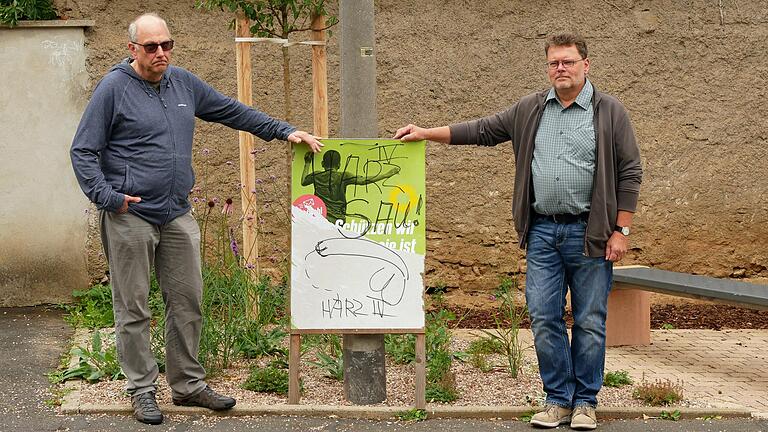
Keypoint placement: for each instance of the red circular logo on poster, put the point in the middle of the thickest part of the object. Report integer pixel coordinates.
(311, 204)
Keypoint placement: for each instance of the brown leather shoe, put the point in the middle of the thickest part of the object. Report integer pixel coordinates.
(145, 408)
(207, 399)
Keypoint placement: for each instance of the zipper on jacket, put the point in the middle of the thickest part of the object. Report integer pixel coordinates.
(173, 148)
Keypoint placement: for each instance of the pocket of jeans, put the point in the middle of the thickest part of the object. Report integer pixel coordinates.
(583, 144)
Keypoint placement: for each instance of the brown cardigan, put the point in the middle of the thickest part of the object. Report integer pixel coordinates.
(618, 170)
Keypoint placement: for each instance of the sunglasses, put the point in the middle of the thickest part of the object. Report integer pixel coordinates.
(151, 48)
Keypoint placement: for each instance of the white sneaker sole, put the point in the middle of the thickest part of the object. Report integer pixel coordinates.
(583, 427)
(539, 423)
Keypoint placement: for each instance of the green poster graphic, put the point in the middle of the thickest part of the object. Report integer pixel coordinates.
(358, 235)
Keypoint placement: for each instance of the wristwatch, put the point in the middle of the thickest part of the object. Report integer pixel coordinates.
(621, 229)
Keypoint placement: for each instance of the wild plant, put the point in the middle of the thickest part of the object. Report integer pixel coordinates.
(617, 378)
(659, 392)
(92, 308)
(94, 363)
(508, 336)
(330, 358)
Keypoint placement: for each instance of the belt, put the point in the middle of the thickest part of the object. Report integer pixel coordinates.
(564, 218)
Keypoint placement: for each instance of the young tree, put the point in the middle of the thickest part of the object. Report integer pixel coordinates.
(277, 19)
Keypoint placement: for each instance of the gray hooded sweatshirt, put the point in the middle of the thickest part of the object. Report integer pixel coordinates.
(134, 140)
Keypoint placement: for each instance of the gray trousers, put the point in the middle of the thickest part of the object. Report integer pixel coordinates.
(133, 246)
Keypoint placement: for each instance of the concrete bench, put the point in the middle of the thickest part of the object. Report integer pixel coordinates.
(629, 306)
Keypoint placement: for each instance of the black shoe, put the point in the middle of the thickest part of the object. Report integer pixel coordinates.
(207, 399)
(145, 408)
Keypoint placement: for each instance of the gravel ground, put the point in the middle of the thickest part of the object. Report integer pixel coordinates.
(475, 387)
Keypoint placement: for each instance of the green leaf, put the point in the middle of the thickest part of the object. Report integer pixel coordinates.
(96, 341)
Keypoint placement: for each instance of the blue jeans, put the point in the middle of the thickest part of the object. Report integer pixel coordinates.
(572, 372)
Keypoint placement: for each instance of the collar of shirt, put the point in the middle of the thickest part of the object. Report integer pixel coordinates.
(583, 99)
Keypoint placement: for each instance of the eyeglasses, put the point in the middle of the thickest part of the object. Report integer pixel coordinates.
(151, 48)
(554, 64)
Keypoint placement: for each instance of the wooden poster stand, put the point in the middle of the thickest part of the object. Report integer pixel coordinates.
(248, 181)
(294, 357)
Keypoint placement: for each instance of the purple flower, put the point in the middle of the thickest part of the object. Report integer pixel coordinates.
(206, 151)
(250, 266)
(233, 243)
(228, 208)
(259, 181)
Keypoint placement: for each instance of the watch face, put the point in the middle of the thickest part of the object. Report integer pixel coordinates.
(625, 231)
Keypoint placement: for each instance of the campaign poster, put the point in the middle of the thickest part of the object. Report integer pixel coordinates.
(358, 235)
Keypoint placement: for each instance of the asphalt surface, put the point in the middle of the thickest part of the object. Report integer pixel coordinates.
(33, 340)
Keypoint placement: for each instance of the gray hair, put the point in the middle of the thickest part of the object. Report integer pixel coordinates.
(133, 27)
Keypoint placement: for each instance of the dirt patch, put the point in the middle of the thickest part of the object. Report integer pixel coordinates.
(479, 309)
(678, 316)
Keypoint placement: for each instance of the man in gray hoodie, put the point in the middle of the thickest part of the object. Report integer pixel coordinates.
(577, 180)
(132, 155)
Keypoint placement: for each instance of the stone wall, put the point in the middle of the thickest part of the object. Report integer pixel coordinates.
(691, 74)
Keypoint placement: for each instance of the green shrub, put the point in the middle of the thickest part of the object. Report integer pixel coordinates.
(13, 11)
(401, 347)
(486, 345)
(443, 391)
(267, 380)
(438, 364)
(617, 379)
(331, 359)
(257, 342)
(228, 328)
(93, 364)
(92, 308)
(480, 361)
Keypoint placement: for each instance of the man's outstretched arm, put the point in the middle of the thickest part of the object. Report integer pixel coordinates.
(415, 133)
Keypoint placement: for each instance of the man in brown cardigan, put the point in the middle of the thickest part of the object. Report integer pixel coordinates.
(577, 181)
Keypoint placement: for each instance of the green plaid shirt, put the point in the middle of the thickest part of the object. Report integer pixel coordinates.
(563, 164)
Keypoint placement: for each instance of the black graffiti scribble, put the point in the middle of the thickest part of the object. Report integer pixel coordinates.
(386, 279)
(331, 182)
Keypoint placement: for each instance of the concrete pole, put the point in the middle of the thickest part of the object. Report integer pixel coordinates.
(364, 370)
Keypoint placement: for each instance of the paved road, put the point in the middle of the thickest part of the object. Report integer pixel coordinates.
(33, 339)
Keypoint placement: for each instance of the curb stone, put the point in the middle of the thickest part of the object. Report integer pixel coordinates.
(72, 405)
(71, 401)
